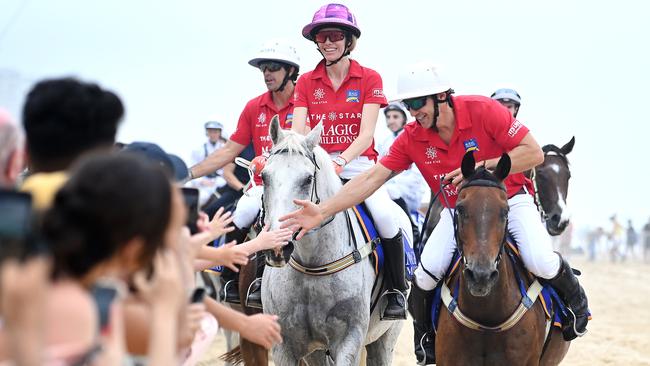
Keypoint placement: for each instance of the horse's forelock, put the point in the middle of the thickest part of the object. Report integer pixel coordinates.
(292, 143)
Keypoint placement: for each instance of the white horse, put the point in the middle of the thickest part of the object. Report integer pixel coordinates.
(325, 317)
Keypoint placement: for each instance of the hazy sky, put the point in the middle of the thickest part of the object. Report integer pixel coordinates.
(580, 66)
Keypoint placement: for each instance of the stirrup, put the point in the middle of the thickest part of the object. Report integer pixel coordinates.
(224, 290)
(424, 360)
(574, 321)
(388, 292)
(248, 294)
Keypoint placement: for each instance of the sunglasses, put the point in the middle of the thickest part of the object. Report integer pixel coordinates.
(415, 103)
(333, 35)
(270, 66)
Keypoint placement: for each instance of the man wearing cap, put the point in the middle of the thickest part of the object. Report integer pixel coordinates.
(279, 63)
(447, 127)
(209, 184)
(508, 98)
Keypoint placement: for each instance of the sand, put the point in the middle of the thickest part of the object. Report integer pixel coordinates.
(619, 334)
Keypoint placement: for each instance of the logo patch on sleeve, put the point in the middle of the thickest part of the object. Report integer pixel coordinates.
(376, 92)
(514, 128)
(288, 121)
(471, 145)
(353, 96)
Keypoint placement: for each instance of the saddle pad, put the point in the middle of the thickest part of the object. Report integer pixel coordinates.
(370, 233)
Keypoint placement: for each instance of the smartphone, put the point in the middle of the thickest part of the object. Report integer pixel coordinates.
(198, 295)
(191, 196)
(16, 225)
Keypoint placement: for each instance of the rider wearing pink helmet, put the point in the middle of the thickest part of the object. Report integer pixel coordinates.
(346, 97)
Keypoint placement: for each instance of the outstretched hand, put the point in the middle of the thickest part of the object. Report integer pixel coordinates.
(262, 329)
(306, 218)
(273, 239)
(231, 255)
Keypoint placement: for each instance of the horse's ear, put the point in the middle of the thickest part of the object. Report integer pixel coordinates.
(468, 166)
(566, 149)
(313, 137)
(503, 167)
(275, 131)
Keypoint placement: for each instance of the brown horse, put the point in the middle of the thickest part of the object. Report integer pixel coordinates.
(488, 326)
(247, 352)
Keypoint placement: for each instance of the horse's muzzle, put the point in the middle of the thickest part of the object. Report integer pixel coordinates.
(279, 259)
(480, 280)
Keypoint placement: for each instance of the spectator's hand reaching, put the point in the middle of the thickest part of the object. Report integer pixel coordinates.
(262, 329)
(231, 255)
(273, 239)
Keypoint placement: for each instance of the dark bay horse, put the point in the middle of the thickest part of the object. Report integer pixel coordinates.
(492, 323)
(551, 181)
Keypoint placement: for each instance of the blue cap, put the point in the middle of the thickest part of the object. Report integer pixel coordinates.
(170, 163)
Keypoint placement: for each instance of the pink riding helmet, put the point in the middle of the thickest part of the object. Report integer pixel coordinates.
(334, 15)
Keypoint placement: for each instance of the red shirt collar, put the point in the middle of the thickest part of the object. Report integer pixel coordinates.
(267, 99)
(356, 71)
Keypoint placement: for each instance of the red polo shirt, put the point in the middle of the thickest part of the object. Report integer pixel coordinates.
(253, 124)
(340, 111)
(482, 125)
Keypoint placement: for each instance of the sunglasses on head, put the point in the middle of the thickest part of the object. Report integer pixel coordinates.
(415, 103)
(334, 36)
(270, 65)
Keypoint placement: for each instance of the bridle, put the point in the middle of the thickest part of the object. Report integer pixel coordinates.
(533, 177)
(459, 246)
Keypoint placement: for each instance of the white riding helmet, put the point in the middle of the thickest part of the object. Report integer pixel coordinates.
(507, 95)
(419, 80)
(276, 50)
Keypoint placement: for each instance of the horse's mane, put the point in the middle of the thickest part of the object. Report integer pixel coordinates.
(295, 143)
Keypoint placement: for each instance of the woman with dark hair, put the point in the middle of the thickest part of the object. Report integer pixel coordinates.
(100, 235)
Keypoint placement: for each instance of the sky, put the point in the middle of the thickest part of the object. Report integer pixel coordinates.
(580, 67)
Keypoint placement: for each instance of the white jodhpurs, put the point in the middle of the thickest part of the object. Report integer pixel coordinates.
(248, 207)
(384, 213)
(524, 225)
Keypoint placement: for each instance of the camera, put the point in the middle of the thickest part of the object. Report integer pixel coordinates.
(191, 196)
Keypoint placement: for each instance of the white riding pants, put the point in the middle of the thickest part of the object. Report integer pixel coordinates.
(381, 207)
(248, 207)
(524, 225)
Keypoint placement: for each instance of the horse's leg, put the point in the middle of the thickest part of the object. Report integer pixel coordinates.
(317, 358)
(556, 349)
(380, 352)
(348, 351)
(252, 353)
(282, 356)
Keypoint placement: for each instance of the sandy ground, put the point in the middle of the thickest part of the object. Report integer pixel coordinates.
(619, 334)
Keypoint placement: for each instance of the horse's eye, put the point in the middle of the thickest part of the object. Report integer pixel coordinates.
(306, 182)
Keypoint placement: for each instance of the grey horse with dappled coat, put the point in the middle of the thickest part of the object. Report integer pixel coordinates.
(325, 320)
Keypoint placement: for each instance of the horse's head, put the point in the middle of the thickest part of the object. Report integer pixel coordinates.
(480, 219)
(552, 178)
(297, 168)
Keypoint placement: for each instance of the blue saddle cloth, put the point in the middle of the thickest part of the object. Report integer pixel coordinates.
(553, 304)
(370, 233)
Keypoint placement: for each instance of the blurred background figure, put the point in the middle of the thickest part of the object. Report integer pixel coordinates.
(209, 184)
(615, 237)
(407, 188)
(12, 152)
(631, 239)
(593, 238)
(646, 241)
(508, 98)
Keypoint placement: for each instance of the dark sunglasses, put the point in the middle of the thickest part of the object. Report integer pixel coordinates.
(270, 65)
(333, 35)
(415, 103)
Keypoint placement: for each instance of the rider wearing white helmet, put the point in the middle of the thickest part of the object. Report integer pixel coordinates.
(508, 98)
(279, 63)
(446, 128)
(346, 97)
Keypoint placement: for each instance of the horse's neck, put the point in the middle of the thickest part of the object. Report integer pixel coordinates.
(325, 245)
(499, 304)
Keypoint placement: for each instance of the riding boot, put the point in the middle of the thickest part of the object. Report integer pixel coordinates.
(395, 278)
(254, 297)
(230, 279)
(420, 302)
(567, 286)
